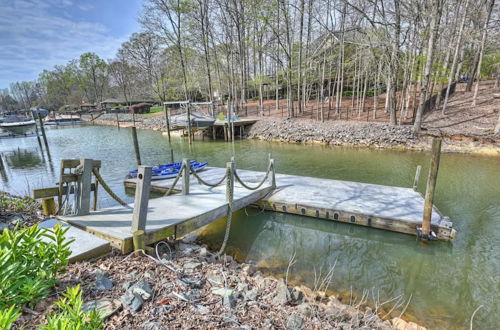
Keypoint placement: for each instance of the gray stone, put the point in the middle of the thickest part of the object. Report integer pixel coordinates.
(190, 238)
(192, 295)
(215, 279)
(152, 326)
(305, 309)
(186, 249)
(222, 291)
(251, 295)
(191, 266)
(142, 288)
(132, 301)
(3, 226)
(282, 295)
(203, 252)
(194, 283)
(105, 307)
(160, 309)
(228, 301)
(102, 281)
(202, 309)
(297, 296)
(295, 322)
(126, 285)
(16, 220)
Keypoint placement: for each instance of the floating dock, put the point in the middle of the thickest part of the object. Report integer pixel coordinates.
(391, 208)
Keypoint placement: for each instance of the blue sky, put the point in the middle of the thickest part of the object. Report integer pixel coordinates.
(38, 34)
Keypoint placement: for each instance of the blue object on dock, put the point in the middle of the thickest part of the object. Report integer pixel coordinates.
(168, 171)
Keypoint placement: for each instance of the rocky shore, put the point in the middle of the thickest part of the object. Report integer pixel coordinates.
(189, 288)
(338, 133)
(365, 134)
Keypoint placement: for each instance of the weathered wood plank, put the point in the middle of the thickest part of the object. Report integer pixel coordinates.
(54, 191)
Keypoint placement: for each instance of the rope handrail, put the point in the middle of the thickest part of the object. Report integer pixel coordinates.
(201, 181)
(181, 170)
(237, 177)
(107, 188)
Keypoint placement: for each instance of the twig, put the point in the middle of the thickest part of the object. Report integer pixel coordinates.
(473, 314)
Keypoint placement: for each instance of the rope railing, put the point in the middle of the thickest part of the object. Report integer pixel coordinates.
(172, 187)
(107, 188)
(237, 177)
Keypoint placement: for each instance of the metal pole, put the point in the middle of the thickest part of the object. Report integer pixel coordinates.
(143, 185)
(431, 185)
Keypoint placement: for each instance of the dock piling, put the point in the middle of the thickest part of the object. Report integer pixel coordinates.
(136, 146)
(141, 198)
(417, 177)
(431, 185)
(42, 128)
(138, 241)
(185, 176)
(167, 121)
(85, 183)
(49, 206)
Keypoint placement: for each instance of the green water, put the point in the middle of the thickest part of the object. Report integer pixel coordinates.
(446, 281)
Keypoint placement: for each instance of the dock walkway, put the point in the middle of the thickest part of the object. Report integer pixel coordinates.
(176, 214)
(391, 208)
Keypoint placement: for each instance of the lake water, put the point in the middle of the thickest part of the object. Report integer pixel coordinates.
(445, 281)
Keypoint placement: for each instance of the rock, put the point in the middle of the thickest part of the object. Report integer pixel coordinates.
(102, 281)
(282, 295)
(132, 301)
(152, 326)
(305, 309)
(126, 285)
(228, 300)
(105, 307)
(194, 283)
(295, 322)
(202, 309)
(191, 266)
(192, 295)
(190, 238)
(203, 252)
(215, 279)
(142, 288)
(186, 249)
(3, 226)
(250, 295)
(16, 220)
(160, 309)
(297, 297)
(401, 324)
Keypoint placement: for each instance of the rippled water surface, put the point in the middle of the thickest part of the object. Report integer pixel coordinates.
(446, 281)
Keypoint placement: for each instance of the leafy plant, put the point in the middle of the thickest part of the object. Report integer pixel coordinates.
(70, 314)
(8, 316)
(30, 259)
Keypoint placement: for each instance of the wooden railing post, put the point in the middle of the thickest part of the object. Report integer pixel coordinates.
(185, 176)
(85, 183)
(431, 185)
(143, 185)
(417, 177)
(273, 173)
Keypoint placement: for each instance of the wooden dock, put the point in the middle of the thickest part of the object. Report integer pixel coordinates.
(176, 214)
(391, 208)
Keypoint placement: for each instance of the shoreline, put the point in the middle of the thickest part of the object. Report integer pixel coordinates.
(340, 133)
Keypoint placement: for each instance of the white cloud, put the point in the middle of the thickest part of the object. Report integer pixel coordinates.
(33, 38)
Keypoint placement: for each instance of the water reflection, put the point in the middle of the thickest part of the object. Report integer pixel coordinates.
(23, 158)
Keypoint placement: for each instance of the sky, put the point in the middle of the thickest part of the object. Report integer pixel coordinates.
(38, 34)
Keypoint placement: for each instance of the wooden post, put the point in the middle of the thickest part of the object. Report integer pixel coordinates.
(43, 130)
(273, 174)
(171, 155)
(225, 132)
(190, 136)
(167, 121)
(117, 120)
(138, 240)
(136, 146)
(417, 177)
(241, 132)
(49, 206)
(214, 135)
(431, 185)
(142, 188)
(185, 176)
(96, 196)
(85, 182)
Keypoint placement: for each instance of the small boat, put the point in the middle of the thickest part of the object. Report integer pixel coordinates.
(197, 120)
(17, 125)
(169, 171)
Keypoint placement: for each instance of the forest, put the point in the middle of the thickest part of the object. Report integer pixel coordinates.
(289, 51)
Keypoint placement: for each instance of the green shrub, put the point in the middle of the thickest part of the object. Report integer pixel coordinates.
(8, 316)
(70, 314)
(29, 264)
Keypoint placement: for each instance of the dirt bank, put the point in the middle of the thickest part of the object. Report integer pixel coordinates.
(365, 134)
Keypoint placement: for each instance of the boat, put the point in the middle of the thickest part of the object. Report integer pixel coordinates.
(17, 125)
(169, 171)
(197, 120)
